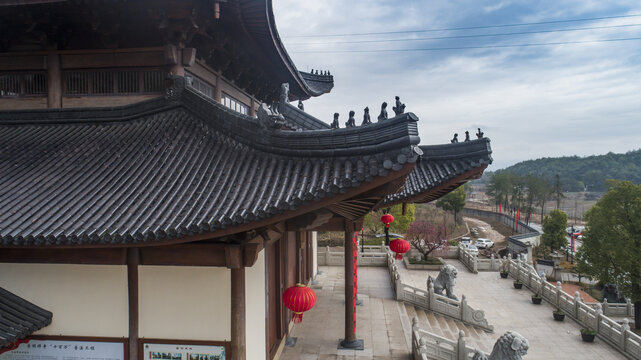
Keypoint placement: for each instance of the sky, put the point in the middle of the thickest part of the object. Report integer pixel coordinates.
(531, 101)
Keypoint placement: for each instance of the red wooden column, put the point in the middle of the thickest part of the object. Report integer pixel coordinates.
(350, 341)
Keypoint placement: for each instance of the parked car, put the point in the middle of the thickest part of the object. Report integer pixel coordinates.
(471, 248)
(466, 240)
(483, 243)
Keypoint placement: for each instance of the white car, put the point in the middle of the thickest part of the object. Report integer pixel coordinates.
(483, 243)
(471, 248)
(466, 240)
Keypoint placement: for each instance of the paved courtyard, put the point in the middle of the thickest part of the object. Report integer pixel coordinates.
(384, 326)
(509, 309)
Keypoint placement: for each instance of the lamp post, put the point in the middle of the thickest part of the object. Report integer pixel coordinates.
(387, 219)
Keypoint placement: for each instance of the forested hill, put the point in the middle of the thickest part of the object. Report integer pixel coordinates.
(591, 171)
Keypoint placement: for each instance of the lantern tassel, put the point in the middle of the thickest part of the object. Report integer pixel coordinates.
(297, 317)
(398, 256)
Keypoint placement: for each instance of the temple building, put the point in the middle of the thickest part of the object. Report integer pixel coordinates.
(158, 191)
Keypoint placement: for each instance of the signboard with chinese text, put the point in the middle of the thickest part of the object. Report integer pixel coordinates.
(183, 352)
(66, 350)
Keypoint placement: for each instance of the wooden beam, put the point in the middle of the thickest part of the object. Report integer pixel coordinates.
(233, 256)
(133, 260)
(185, 255)
(105, 256)
(238, 315)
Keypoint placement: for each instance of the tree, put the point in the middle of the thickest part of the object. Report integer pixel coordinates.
(554, 226)
(557, 191)
(373, 225)
(611, 249)
(454, 201)
(498, 188)
(538, 191)
(427, 236)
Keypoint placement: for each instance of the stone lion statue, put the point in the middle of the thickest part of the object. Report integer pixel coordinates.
(510, 346)
(445, 280)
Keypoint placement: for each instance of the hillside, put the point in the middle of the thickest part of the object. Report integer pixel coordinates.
(591, 171)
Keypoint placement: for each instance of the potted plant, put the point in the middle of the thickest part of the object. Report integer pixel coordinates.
(518, 284)
(504, 274)
(588, 334)
(536, 299)
(558, 315)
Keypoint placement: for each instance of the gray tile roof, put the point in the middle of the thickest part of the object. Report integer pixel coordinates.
(318, 84)
(443, 168)
(173, 167)
(19, 318)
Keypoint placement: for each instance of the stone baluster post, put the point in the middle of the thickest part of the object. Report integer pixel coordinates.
(625, 328)
(630, 307)
(461, 350)
(558, 294)
(463, 309)
(518, 268)
(577, 304)
(327, 257)
(492, 262)
(529, 278)
(475, 264)
(422, 346)
(430, 294)
(598, 313)
(605, 305)
(398, 284)
(383, 246)
(544, 281)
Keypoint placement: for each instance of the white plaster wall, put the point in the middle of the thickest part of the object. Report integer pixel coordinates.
(86, 300)
(255, 307)
(185, 302)
(314, 254)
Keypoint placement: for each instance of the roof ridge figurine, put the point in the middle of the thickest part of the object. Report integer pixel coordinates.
(399, 108)
(467, 136)
(366, 118)
(351, 122)
(479, 134)
(335, 124)
(383, 115)
(454, 139)
(300, 105)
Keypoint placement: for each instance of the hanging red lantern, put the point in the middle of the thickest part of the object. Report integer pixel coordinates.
(387, 219)
(400, 247)
(299, 299)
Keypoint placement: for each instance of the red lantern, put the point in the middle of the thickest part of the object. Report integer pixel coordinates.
(299, 299)
(387, 219)
(400, 247)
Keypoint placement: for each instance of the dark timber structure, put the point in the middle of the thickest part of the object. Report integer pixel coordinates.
(132, 137)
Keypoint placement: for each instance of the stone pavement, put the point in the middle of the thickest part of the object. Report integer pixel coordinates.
(379, 320)
(509, 309)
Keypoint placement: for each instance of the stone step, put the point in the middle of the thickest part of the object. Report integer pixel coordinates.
(450, 328)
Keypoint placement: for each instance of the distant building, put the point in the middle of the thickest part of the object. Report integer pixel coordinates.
(150, 207)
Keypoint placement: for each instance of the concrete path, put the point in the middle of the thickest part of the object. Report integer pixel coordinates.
(509, 309)
(379, 320)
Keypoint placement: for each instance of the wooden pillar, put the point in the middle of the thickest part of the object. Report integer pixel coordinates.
(133, 260)
(350, 341)
(252, 108)
(238, 324)
(54, 81)
(218, 93)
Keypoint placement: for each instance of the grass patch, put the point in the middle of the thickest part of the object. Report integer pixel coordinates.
(429, 261)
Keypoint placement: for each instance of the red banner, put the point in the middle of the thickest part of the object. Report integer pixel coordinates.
(572, 243)
(355, 255)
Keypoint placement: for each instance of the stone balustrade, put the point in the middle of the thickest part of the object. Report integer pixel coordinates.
(428, 300)
(426, 345)
(617, 335)
(373, 255)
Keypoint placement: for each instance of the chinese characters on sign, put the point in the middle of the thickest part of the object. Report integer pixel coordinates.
(66, 350)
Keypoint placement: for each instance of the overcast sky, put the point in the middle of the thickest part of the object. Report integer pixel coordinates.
(532, 101)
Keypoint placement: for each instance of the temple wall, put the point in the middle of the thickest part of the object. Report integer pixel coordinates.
(185, 302)
(86, 300)
(255, 307)
(102, 101)
(23, 103)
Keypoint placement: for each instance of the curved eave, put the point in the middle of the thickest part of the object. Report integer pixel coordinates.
(20, 318)
(255, 24)
(441, 169)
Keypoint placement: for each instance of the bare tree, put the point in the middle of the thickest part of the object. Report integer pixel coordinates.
(427, 237)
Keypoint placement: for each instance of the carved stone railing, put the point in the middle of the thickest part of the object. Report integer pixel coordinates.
(428, 300)
(474, 264)
(617, 309)
(373, 255)
(426, 345)
(617, 335)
